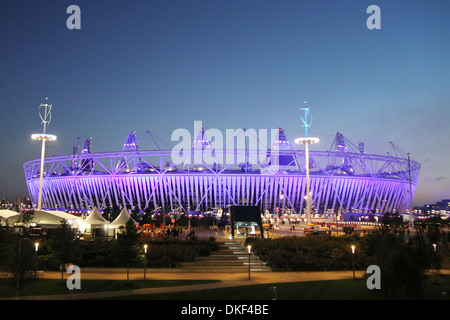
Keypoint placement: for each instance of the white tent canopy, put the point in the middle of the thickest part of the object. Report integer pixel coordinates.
(121, 219)
(59, 215)
(94, 219)
(47, 218)
(55, 217)
(5, 215)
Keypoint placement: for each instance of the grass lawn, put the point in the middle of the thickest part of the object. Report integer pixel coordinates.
(315, 290)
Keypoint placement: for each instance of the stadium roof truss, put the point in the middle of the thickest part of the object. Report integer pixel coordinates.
(342, 179)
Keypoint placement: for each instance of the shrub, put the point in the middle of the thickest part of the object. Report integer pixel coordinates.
(169, 252)
(96, 253)
(307, 253)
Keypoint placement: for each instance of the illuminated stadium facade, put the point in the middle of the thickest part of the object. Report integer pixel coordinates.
(343, 179)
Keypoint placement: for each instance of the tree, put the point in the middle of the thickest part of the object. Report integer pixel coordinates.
(25, 219)
(402, 264)
(17, 254)
(126, 248)
(23, 248)
(6, 236)
(64, 245)
(18, 250)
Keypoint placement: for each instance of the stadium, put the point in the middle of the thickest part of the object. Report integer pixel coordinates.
(343, 179)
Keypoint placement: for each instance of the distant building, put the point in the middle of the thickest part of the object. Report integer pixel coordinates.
(442, 207)
(22, 200)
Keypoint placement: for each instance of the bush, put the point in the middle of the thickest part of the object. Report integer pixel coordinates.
(170, 255)
(96, 253)
(169, 252)
(402, 264)
(166, 252)
(308, 253)
(48, 262)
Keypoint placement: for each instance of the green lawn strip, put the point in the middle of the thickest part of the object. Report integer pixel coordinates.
(348, 289)
(313, 290)
(42, 287)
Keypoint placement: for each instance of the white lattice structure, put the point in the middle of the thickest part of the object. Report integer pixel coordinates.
(340, 180)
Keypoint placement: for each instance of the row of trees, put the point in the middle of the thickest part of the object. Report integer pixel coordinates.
(403, 260)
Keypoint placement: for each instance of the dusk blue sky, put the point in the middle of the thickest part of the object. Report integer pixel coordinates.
(161, 65)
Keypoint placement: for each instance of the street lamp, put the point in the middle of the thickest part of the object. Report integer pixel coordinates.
(36, 248)
(282, 200)
(353, 260)
(306, 141)
(249, 248)
(145, 265)
(274, 292)
(46, 118)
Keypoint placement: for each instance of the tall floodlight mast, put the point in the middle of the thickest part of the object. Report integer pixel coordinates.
(304, 120)
(411, 213)
(46, 116)
(306, 141)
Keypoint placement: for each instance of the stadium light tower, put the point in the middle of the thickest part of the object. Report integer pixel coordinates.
(306, 141)
(46, 116)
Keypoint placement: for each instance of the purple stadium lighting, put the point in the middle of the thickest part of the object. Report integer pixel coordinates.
(343, 179)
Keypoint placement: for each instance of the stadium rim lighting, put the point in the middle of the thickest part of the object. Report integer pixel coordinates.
(343, 179)
(306, 140)
(42, 136)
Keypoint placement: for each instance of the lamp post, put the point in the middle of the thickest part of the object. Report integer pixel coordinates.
(353, 261)
(336, 216)
(282, 200)
(36, 248)
(274, 292)
(411, 213)
(145, 265)
(249, 248)
(306, 141)
(46, 118)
